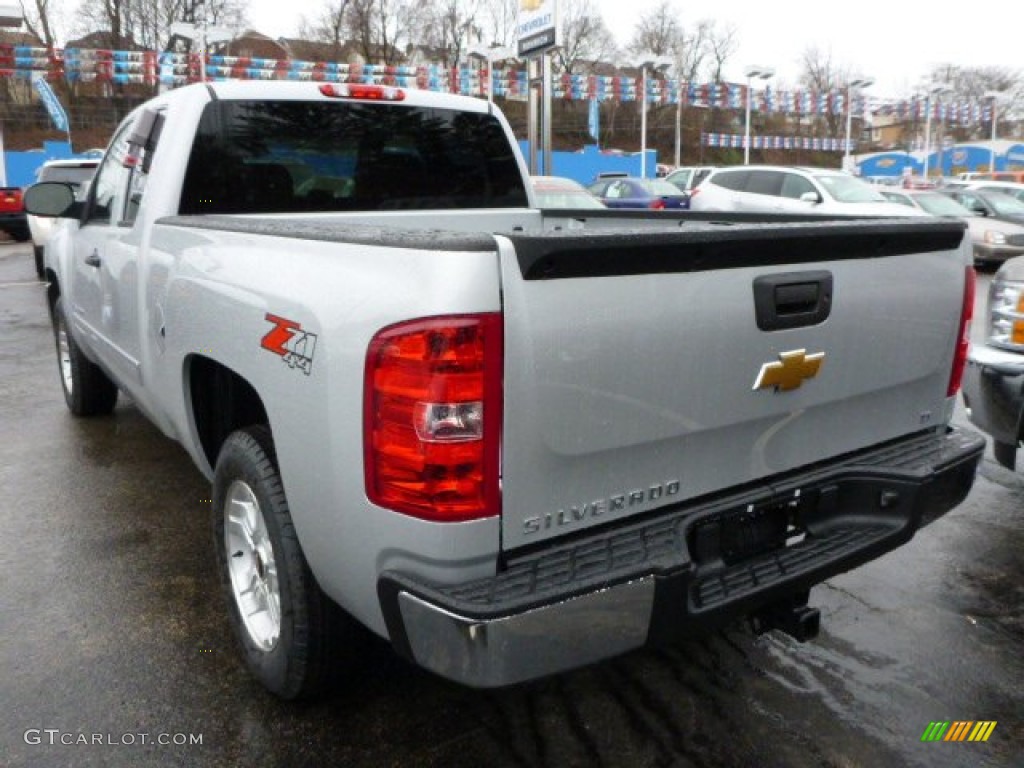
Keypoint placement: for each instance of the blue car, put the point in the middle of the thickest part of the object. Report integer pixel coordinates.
(634, 192)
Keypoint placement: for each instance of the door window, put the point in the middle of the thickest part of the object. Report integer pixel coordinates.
(731, 180)
(108, 189)
(794, 186)
(764, 183)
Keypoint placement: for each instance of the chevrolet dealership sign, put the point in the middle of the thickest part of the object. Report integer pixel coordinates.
(536, 26)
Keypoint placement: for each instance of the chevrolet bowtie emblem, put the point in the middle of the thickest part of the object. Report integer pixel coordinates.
(791, 370)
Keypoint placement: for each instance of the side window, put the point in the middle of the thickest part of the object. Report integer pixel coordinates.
(614, 190)
(764, 183)
(900, 199)
(794, 186)
(111, 182)
(699, 176)
(736, 180)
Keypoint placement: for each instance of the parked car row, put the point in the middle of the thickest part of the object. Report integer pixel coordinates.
(993, 240)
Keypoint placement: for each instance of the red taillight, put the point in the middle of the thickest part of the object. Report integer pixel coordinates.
(963, 339)
(432, 417)
(657, 205)
(362, 91)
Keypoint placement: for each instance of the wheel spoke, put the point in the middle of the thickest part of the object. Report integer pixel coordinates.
(251, 565)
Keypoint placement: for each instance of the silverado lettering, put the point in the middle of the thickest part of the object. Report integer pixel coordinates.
(597, 508)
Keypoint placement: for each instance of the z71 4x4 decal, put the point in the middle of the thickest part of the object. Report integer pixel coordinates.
(294, 345)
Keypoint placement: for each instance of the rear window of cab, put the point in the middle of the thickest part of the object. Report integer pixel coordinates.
(298, 156)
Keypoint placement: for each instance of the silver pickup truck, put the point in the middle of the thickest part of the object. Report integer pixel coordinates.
(510, 441)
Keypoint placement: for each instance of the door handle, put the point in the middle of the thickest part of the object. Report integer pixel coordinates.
(93, 259)
(792, 299)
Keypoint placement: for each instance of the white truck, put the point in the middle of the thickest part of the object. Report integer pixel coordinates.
(511, 441)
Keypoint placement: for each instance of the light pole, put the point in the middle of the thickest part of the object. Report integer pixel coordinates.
(861, 82)
(996, 97)
(679, 116)
(751, 72)
(492, 54)
(657, 63)
(935, 91)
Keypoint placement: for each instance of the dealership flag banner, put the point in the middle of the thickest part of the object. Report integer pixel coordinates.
(52, 104)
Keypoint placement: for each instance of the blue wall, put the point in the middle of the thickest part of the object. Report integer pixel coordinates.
(22, 166)
(957, 159)
(584, 165)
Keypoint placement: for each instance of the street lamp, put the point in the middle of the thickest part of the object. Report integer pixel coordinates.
(935, 91)
(658, 64)
(493, 53)
(763, 73)
(861, 82)
(996, 97)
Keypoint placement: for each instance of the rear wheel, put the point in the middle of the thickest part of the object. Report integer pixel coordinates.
(87, 389)
(287, 627)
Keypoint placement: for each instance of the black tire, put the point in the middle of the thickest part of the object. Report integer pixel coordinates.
(37, 253)
(87, 389)
(1005, 453)
(301, 660)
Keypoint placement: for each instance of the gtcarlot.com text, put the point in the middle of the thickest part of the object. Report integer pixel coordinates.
(55, 737)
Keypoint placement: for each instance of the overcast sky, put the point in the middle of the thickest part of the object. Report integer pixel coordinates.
(896, 42)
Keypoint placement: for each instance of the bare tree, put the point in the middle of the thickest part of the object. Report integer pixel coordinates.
(974, 85)
(821, 75)
(380, 27)
(694, 52)
(721, 45)
(146, 23)
(450, 27)
(498, 21)
(40, 17)
(329, 26)
(584, 37)
(107, 16)
(658, 32)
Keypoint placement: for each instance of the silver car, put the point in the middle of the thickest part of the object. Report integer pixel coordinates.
(791, 190)
(993, 241)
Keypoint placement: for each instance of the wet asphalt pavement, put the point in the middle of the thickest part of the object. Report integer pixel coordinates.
(115, 650)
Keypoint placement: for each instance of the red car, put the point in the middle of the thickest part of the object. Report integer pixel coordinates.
(12, 214)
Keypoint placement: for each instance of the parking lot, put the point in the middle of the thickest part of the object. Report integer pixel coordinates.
(115, 649)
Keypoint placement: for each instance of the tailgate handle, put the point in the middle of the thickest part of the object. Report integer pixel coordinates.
(792, 299)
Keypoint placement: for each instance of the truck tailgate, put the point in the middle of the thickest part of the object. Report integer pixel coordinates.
(647, 369)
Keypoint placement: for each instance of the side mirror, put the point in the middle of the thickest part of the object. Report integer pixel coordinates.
(53, 199)
(980, 210)
(811, 197)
